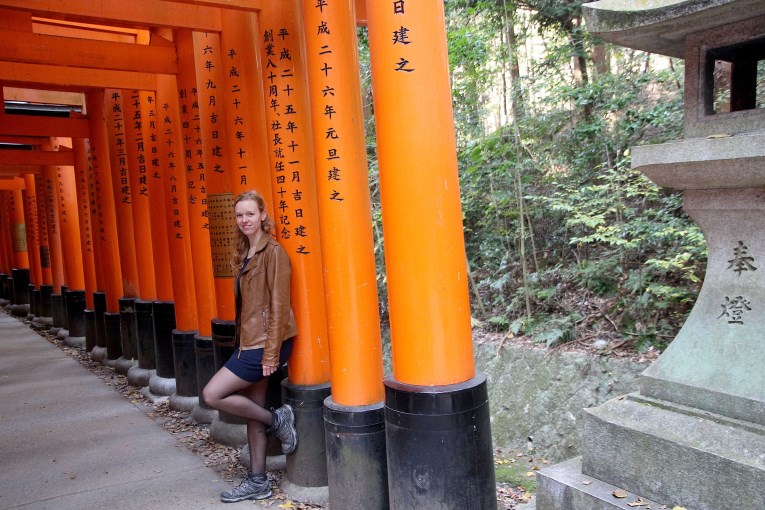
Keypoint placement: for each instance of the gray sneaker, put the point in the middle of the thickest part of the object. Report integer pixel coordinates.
(250, 488)
(285, 428)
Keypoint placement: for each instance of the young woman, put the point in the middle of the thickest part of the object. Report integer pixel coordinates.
(265, 327)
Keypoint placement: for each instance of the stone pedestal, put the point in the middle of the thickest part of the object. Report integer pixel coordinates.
(694, 435)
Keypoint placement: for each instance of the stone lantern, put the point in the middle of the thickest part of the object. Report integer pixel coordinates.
(694, 433)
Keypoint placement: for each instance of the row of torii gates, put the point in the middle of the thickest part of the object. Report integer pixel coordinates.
(128, 128)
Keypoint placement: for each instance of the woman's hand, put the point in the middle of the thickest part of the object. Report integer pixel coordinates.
(269, 369)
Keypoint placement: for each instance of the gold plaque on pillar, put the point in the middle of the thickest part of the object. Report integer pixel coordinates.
(220, 211)
(19, 237)
(44, 256)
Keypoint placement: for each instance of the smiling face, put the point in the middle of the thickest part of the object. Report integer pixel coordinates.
(249, 217)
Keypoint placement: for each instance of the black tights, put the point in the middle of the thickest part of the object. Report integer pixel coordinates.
(228, 393)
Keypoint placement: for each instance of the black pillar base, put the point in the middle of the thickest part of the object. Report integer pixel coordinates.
(31, 299)
(37, 302)
(439, 446)
(128, 328)
(4, 286)
(57, 310)
(185, 363)
(164, 324)
(357, 470)
(112, 336)
(205, 361)
(224, 338)
(20, 285)
(99, 308)
(307, 466)
(75, 310)
(145, 334)
(89, 316)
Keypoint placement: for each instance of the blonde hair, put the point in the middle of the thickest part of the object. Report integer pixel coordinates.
(241, 243)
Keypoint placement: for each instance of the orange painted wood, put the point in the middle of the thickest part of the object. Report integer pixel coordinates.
(93, 208)
(342, 186)
(151, 13)
(42, 232)
(6, 258)
(361, 13)
(151, 122)
(83, 169)
(108, 245)
(72, 52)
(18, 230)
(15, 20)
(83, 30)
(123, 192)
(234, 5)
(245, 106)
(44, 96)
(69, 225)
(177, 217)
(30, 125)
(30, 218)
(293, 182)
(19, 72)
(422, 220)
(36, 158)
(50, 219)
(11, 183)
(138, 169)
(201, 155)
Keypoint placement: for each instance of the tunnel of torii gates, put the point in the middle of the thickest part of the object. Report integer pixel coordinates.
(127, 130)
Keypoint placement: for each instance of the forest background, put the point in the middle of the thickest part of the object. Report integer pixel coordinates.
(565, 241)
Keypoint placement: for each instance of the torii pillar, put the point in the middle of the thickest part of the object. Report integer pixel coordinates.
(294, 198)
(693, 436)
(436, 406)
(354, 421)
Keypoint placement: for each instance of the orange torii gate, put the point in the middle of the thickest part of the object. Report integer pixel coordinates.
(265, 94)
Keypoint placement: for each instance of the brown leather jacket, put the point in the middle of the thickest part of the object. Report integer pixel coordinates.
(264, 318)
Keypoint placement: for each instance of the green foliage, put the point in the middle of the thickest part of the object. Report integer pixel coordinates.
(564, 239)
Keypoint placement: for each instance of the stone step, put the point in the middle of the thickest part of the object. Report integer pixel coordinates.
(564, 487)
(675, 454)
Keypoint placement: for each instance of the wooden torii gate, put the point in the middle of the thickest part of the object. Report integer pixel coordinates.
(172, 108)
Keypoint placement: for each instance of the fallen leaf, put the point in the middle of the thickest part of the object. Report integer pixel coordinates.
(637, 502)
(287, 504)
(678, 508)
(531, 474)
(620, 493)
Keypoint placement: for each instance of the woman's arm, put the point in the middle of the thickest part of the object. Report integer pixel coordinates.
(278, 281)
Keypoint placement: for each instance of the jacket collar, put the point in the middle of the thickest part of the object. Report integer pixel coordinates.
(262, 242)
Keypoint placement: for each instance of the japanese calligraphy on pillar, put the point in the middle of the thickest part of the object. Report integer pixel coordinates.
(287, 137)
(118, 125)
(329, 158)
(193, 153)
(50, 206)
(31, 209)
(85, 192)
(42, 231)
(238, 122)
(64, 213)
(211, 112)
(152, 179)
(139, 145)
(402, 36)
(174, 194)
(735, 307)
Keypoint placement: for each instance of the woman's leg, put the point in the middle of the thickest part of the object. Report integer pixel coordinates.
(257, 439)
(228, 393)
